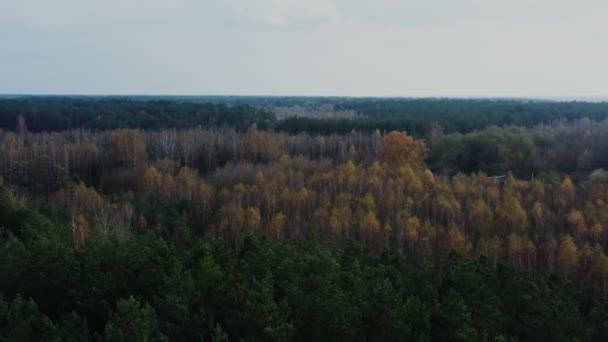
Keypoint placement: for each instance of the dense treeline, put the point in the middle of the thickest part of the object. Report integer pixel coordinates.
(144, 287)
(50, 114)
(454, 115)
(574, 148)
(310, 115)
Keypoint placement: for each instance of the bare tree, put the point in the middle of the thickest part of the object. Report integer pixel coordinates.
(167, 141)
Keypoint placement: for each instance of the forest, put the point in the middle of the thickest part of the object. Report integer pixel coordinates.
(282, 219)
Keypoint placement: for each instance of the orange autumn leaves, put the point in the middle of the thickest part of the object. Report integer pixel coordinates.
(385, 197)
(401, 149)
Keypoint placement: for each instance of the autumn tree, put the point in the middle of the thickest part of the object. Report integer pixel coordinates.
(577, 221)
(537, 214)
(401, 149)
(566, 193)
(253, 218)
(456, 239)
(262, 145)
(482, 216)
(513, 216)
(370, 225)
(129, 147)
(80, 230)
(568, 255)
(276, 225)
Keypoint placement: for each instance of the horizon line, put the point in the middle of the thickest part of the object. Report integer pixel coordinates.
(519, 97)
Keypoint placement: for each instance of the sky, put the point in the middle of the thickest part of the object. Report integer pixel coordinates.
(412, 48)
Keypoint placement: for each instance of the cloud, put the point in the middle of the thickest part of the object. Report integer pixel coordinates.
(330, 47)
(282, 13)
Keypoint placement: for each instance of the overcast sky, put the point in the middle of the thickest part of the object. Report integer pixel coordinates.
(305, 47)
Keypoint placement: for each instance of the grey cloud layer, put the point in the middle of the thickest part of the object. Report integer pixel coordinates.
(313, 47)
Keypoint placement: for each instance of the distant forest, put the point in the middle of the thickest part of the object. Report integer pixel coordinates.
(319, 116)
(297, 219)
(52, 114)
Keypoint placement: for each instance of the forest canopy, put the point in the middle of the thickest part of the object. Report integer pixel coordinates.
(138, 219)
(56, 113)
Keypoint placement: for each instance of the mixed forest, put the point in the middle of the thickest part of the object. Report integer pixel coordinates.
(280, 219)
